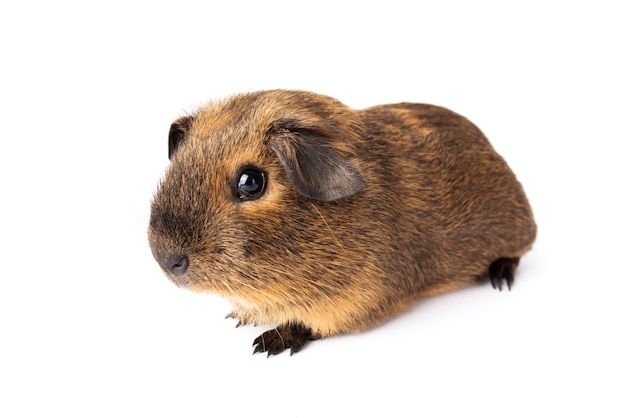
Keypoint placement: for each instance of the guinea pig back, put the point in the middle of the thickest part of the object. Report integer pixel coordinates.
(321, 219)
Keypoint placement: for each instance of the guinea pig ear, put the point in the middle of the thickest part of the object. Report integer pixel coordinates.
(315, 170)
(178, 130)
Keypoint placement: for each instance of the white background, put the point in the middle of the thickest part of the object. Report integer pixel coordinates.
(89, 326)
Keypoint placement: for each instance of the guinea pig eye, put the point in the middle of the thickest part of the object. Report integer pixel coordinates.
(251, 183)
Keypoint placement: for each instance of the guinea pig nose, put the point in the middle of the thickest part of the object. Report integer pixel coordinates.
(177, 264)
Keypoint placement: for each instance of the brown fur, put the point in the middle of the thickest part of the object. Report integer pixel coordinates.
(364, 210)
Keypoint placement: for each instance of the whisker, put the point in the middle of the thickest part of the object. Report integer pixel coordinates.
(327, 226)
(267, 295)
(324, 288)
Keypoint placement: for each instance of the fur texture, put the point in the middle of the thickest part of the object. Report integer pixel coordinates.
(362, 212)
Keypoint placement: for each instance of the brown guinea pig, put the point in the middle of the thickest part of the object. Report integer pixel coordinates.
(321, 219)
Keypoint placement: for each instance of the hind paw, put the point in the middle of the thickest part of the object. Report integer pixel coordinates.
(503, 269)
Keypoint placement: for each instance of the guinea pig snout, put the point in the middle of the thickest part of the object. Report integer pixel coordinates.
(177, 264)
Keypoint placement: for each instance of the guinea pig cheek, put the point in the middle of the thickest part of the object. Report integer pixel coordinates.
(242, 227)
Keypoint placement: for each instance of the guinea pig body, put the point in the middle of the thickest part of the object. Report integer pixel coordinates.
(322, 220)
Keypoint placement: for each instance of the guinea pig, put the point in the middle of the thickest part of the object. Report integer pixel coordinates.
(319, 219)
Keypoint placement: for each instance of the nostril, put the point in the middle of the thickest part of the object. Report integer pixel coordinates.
(177, 264)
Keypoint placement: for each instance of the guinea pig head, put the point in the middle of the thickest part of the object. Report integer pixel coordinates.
(236, 211)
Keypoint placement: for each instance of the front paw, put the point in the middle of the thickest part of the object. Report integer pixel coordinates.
(236, 317)
(242, 319)
(294, 336)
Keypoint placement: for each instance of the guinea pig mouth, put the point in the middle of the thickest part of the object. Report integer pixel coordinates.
(183, 282)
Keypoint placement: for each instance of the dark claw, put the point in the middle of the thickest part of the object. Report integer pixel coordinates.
(509, 281)
(495, 283)
(503, 269)
(293, 336)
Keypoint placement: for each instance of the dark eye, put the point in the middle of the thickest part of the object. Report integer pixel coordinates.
(251, 183)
